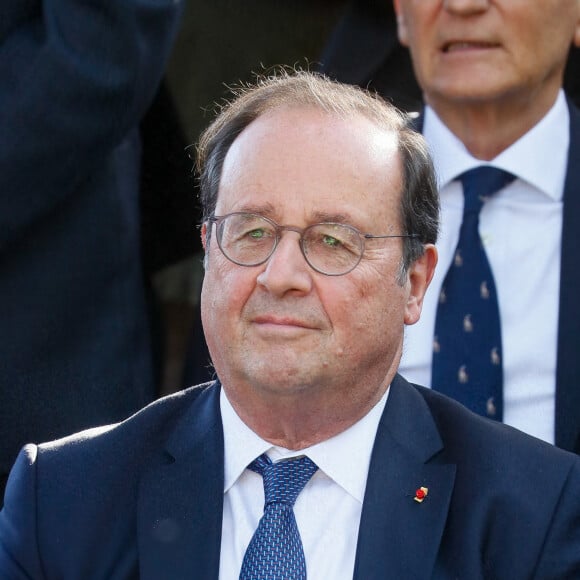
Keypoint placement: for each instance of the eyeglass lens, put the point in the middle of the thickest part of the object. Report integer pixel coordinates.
(249, 240)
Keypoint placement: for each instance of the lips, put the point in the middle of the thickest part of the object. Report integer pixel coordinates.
(281, 321)
(465, 45)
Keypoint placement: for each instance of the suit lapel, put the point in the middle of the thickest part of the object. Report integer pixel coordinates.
(181, 498)
(568, 371)
(399, 537)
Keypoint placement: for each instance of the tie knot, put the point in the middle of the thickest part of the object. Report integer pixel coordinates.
(284, 480)
(481, 183)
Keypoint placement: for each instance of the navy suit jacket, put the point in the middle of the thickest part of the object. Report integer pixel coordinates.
(143, 499)
(74, 328)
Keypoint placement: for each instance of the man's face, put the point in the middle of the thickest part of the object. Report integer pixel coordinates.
(486, 50)
(281, 327)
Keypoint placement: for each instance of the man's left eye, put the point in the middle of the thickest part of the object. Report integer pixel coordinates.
(330, 241)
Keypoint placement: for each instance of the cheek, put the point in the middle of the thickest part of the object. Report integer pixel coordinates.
(372, 298)
(226, 288)
(382, 302)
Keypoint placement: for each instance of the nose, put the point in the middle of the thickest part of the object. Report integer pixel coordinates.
(286, 270)
(466, 7)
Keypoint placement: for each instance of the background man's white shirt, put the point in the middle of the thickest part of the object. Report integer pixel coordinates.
(521, 230)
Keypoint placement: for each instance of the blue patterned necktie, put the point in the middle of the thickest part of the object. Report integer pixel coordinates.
(275, 551)
(467, 350)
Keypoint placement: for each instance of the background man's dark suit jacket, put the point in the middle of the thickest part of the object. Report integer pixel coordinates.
(77, 78)
(144, 498)
(568, 362)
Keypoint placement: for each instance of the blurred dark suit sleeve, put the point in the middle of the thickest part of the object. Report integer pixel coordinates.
(77, 78)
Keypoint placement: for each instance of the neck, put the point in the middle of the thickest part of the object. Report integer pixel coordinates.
(489, 128)
(299, 420)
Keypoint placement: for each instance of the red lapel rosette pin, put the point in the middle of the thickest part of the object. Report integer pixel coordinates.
(421, 494)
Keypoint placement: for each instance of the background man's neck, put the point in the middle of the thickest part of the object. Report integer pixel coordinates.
(488, 128)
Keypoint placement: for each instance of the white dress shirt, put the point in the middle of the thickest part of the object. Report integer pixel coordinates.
(328, 509)
(521, 229)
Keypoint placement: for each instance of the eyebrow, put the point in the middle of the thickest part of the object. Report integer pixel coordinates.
(339, 218)
(269, 210)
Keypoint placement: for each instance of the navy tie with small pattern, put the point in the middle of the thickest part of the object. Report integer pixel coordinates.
(275, 551)
(467, 349)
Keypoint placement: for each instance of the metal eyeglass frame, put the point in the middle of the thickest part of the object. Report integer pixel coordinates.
(278, 229)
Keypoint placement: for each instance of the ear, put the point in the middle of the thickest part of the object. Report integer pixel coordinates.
(402, 31)
(204, 235)
(419, 275)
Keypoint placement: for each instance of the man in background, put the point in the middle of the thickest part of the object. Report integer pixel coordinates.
(491, 75)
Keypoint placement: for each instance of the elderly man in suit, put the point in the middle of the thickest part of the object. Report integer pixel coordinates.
(491, 74)
(309, 456)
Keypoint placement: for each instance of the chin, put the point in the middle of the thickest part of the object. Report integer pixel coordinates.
(481, 88)
(284, 378)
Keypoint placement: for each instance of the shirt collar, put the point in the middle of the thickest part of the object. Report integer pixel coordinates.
(532, 158)
(242, 446)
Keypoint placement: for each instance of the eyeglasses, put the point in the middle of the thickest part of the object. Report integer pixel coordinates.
(249, 239)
